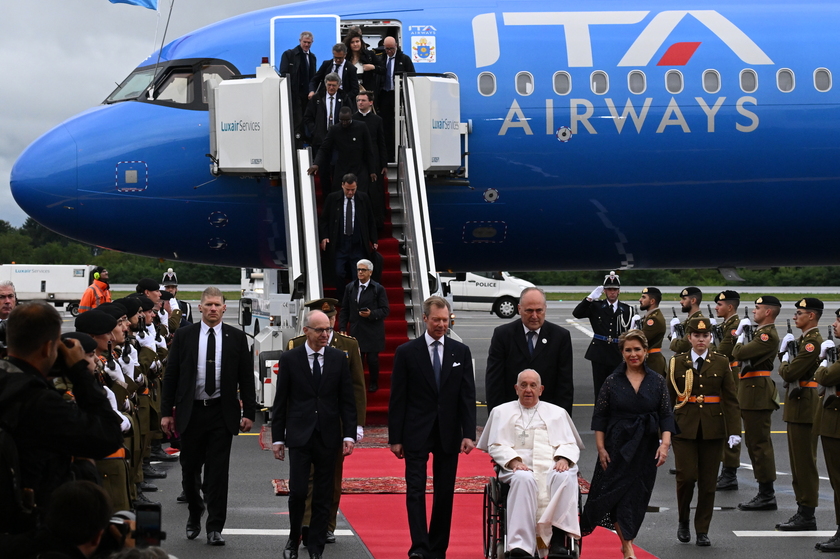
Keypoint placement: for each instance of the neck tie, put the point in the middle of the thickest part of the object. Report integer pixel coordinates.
(348, 217)
(698, 364)
(331, 110)
(389, 85)
(210, 364)
(436, 361)
(306, 58)
(361, 290)
(316, 369)
(531, 335)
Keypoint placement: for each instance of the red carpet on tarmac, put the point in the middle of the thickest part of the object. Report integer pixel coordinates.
(380, 519)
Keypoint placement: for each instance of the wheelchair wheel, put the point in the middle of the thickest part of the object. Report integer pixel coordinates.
(494, 519)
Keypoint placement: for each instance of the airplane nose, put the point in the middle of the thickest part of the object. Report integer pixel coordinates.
(44, 179)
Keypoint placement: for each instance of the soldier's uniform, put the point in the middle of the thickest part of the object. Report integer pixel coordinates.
(653, 327)
(681, 345)
(801, 405)
(728, 480)
(350, 347)
(828, 376)
(758, 398)
(706, 413)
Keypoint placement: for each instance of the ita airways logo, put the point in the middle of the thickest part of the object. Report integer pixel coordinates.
(423, 49)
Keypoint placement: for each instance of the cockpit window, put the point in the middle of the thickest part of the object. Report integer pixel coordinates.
(211, 76)
(133, 86)
(177, 87)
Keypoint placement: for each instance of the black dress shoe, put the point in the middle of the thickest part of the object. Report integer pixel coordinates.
(162, 456)
(831, 546)
(182, 498)
(703, 540)
(330, 536)
(672, 471)
(415, 556)
(291, 550)
(518, 552)
(315, 555)
(147, 486)
(728, 479)
(193, 527)
(683, 533)
(141, 498)
(215, 538)
(373, 387)
(150, 472)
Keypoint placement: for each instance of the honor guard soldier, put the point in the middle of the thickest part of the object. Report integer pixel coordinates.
(828, 377)
(170, 284)
(350, 347)
(609, 319)
(726, 308)
(690, 299)
(652, 324)
(173, 316)
(755, 350)
(800, 359)
(706, 412)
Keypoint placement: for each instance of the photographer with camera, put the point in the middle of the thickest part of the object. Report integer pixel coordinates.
(47, 430)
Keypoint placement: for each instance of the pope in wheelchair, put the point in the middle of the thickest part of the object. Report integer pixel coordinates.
(536, 448)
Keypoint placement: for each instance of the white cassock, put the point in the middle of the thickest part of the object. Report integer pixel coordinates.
(543, 497)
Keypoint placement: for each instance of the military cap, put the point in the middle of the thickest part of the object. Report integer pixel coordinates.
(810, 304)
(95, 322)
(146, 304)
(653, 291)
(768, 300)
(114, 309)
(131, 304)
(166, 296)
(88, 343)
(326, 305)
(727, 295)
(698, 324)
(169, 278)
(837, 313)
(147, 284)
(611, 281)
(689, 291)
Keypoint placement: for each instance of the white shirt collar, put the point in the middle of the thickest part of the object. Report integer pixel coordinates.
(695, 356)
(430, 340)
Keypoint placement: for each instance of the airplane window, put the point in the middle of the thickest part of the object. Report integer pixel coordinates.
(599, 82)
(213, 74)
(749, 81)
(176, 88)
(133, 86)
(674, 81)
(562, 83)
(486, 83)
(524, 83)
(822, 79)
(711, 81)
(785, 80)
(636, 82)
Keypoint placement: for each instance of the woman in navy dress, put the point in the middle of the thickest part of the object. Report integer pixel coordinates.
(633, 423)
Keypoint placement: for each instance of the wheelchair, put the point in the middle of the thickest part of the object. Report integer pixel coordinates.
(495, 521)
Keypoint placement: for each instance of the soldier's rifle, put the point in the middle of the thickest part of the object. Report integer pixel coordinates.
(792, 347)
(679, 329)
(717, 330)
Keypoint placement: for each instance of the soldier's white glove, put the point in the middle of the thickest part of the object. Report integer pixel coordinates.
(742, 339)
(741, 325)
(734, 440)
(360, 433)
(825, 346)
(596, 293)
(635, 322)
(824, 363)
(161, 344)
(713, 320)
(164, 316)
(115, 372)
(786, 357)
(147, 341)
(125, 423)
(674, 323)
(785, 341)
(111, 398)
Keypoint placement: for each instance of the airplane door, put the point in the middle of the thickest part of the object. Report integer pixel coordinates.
(286, 30)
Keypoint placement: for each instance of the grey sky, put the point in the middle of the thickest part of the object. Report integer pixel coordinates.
(61, 57)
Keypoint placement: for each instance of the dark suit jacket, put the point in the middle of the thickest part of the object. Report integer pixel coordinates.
(315, 117)
(299, 407)
(237, 377)
(370, 331)
(604, 323)
(402, 64)
(355, 153)
(349, 81)
(331, 224)
(293, 64)
(509, 356)
(416, 403)
(377, 139)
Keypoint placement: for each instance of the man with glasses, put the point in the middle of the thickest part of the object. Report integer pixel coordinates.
(530, 343)
(395, 63)
(363, 312)
(348, 82)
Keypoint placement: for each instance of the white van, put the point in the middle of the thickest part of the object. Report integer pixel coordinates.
(496, 292)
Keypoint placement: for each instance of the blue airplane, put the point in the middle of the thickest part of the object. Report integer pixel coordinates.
(627, 135)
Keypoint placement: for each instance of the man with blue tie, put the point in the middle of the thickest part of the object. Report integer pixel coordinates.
(314, 408)
(299, 65)
(431, 411)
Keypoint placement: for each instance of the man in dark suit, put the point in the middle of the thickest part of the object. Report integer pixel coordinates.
(348, 80)
(363, 313)
(321, 115)
(530, 343)
(432, 410)
(609, 319)
(364, 104)
(395, 63)
(354, 152)
(210, 369)
(299, 65)
(313, 409)
(347, 230)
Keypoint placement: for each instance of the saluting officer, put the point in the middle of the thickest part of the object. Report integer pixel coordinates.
(690, 299)
(609, 319)
(726, 308)
(350, 347)
(801, 402)
(758, 397)
(828, 377)
(653, 326)
(706, 413)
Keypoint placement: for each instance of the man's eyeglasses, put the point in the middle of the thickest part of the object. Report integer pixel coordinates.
(362, 270)
(320, 331)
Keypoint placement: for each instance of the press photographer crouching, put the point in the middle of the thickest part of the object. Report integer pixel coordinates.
(45, 429)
